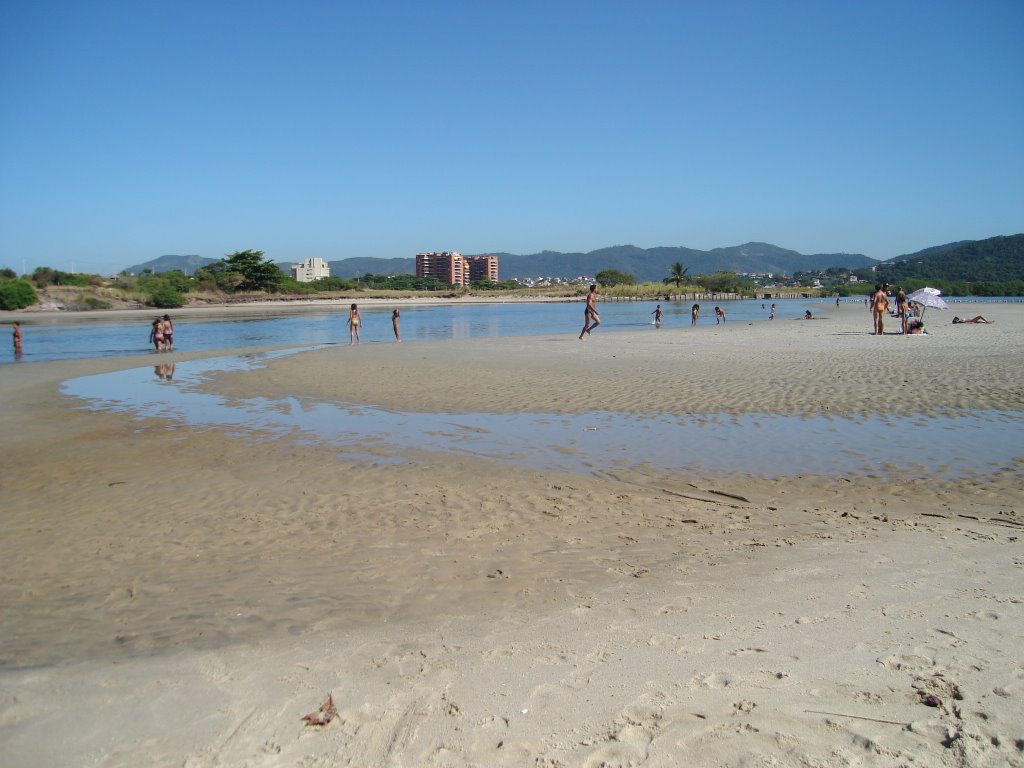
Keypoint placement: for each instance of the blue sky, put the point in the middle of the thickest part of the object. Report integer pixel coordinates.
(133, 129)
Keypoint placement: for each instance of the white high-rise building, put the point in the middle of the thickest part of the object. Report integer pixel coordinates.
(310, 270)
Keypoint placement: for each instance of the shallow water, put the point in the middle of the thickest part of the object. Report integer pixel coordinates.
(768, 445)
(57, 338)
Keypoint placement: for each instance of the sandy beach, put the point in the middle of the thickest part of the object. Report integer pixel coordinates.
(182, 596)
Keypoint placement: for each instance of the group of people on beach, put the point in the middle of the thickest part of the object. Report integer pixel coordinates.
(878, 304)
(908, 312)
(161, 334)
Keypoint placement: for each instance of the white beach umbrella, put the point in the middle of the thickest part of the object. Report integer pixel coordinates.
(928, 297)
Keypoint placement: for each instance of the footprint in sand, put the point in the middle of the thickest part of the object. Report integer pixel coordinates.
(672, 609)
(710, 680)
(906, 661)
(983, 615)
(744, 651)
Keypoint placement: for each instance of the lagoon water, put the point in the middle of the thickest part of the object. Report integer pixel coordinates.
(978, 442)
(597, 443)
(58, 338)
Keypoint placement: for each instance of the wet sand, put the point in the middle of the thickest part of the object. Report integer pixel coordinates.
(177, 595)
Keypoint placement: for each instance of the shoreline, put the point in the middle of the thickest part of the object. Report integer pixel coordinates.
(299, 303)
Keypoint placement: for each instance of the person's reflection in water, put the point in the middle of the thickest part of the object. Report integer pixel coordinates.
(165, 371)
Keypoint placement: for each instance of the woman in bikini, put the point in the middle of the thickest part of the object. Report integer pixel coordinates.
(353, 325)
(168, 333)
(156, 335)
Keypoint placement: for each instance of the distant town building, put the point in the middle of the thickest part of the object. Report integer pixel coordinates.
(483, 268)
(453, 268)
(310, 270)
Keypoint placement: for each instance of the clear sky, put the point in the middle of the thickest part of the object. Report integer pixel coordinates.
(135, 128)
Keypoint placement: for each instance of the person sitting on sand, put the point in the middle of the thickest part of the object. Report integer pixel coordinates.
(975, 319)
(808, 315)
(916, 326)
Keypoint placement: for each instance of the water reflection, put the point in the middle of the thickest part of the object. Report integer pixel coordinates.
(52, 338)
(977, 442)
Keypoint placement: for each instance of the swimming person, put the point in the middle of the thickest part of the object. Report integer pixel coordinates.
(591, 317)
(353, 325)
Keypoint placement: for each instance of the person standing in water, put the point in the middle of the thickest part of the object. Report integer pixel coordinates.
(394, 325)
(354, 322)
(591, 317)
(657, 316)
(16, 336)
(719, 315)
(156, 334)
(168, 333)
(694, 314)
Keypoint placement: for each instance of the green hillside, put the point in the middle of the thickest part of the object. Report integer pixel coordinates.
(991, 267)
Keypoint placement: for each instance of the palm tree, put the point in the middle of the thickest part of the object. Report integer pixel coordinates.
(677, 274)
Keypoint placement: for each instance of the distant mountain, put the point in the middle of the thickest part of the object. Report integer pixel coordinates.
(996, 259)
(993, 259)
(359, 266)
(646, 264)
(929, 251)
(187, 264)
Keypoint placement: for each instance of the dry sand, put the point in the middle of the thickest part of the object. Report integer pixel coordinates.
(180, 596)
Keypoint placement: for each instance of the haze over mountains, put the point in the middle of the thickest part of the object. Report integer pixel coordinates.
(646, 264)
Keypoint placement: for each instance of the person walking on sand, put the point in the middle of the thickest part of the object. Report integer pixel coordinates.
(694, 314)
(591, 317)
(394, 325)
(771, 312)
(719, 315)
(879, 306)
(353, 325)
(657, 316)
